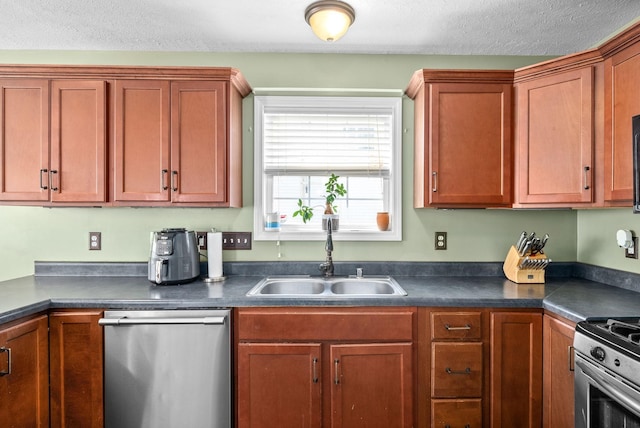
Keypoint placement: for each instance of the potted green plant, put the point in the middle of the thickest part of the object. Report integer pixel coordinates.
(333, 190)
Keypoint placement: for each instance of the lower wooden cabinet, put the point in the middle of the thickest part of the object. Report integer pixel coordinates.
(279, 385)
(24, 374)
(76, 366)
(558, 375)
(516, 369)
(325, 367)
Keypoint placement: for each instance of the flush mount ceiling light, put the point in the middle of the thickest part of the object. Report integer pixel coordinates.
(329, 19)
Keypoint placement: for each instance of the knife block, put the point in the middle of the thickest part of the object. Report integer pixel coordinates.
(522, 276)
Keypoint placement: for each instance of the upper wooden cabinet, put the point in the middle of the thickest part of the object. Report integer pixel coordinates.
(555, 139)
(463, 138)
(172, 143)
(622, 102)
(132, 136)
(54, 141)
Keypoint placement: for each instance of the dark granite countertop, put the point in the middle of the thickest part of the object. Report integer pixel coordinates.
(439, 285)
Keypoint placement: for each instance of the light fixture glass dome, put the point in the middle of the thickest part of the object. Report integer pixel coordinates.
(330, 19)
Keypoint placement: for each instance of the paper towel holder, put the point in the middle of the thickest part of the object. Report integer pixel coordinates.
(214, 243)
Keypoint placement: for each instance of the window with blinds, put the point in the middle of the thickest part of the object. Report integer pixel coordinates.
(301, 141)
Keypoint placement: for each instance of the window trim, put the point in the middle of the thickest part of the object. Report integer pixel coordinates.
(395, 204)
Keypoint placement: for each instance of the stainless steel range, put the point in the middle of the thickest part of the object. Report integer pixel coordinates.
(607, 373)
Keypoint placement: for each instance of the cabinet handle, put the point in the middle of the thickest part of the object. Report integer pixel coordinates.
(52, 173)
(163, 179)
(586, 178)
(174, 176)
(449, 328)
(43, 186)
(434, 174)
(570, 358)
(336, 376)
(315, 370)
(466, 371)
(8, 352)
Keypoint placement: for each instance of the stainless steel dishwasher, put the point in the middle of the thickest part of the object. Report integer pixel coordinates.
(167, 369)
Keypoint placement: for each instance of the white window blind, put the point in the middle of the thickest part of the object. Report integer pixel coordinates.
(357, 143)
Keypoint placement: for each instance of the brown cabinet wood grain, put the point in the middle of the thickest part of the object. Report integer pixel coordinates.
(516, 369)
(463, 138)
(54, 141)
(558, 375)
(466, 413)
(24, 140)
(315, 367)
(622, 102)
(24, 385)
(78, 141)
(141, 142)
(555, 139)
(76, 369)
(279, 384)
(453, 356)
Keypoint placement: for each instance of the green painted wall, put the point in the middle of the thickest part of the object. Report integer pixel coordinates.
(57, 234)
(597, 237)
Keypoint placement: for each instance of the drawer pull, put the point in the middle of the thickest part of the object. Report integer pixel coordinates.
(42, 185)
(456, 372)
(315, 370)
(571, 358)
(450, 328)
(8, 371)
(163, 179)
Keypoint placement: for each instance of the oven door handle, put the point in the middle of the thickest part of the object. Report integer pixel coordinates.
(605, 385)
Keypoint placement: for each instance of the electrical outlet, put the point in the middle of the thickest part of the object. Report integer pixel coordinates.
(632, 253)
(236, 240)
(441, 240)
(202, 240)
(95, 241)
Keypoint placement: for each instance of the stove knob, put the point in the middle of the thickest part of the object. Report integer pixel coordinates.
(598, 353)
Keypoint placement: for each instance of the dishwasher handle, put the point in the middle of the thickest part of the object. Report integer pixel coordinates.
(142, 321)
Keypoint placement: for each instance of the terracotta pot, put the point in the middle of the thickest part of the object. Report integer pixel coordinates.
(382, 218)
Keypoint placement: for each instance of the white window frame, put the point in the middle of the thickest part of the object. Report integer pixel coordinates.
(395, 183)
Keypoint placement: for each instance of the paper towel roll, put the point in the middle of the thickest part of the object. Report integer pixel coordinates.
(214, 254)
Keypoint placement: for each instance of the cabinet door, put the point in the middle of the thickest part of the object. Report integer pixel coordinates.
(371, 385)
(558, 373)
(469, 139)
(141, 140)
(78, 141)
(279, 385)
(516, 370)
(24, 140)
(76, 366)
(199, 142)
(555, 139)
(622, 102)
(24, 391)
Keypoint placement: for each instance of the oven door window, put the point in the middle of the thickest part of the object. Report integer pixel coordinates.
(605, 412)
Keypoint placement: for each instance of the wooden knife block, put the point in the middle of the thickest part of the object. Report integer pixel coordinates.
(522, 276)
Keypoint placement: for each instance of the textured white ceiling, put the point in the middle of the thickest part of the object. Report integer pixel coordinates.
(455, 27)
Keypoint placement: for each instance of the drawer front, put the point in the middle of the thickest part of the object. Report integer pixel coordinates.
(456, 370)
(456, 413)
(456, 325)
(380, 324)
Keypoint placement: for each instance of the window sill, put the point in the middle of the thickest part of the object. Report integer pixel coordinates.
(340, 235)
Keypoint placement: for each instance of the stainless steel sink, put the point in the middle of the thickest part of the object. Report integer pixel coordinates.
(307, 286)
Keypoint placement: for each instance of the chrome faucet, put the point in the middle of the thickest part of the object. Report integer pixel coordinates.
(327, 266)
